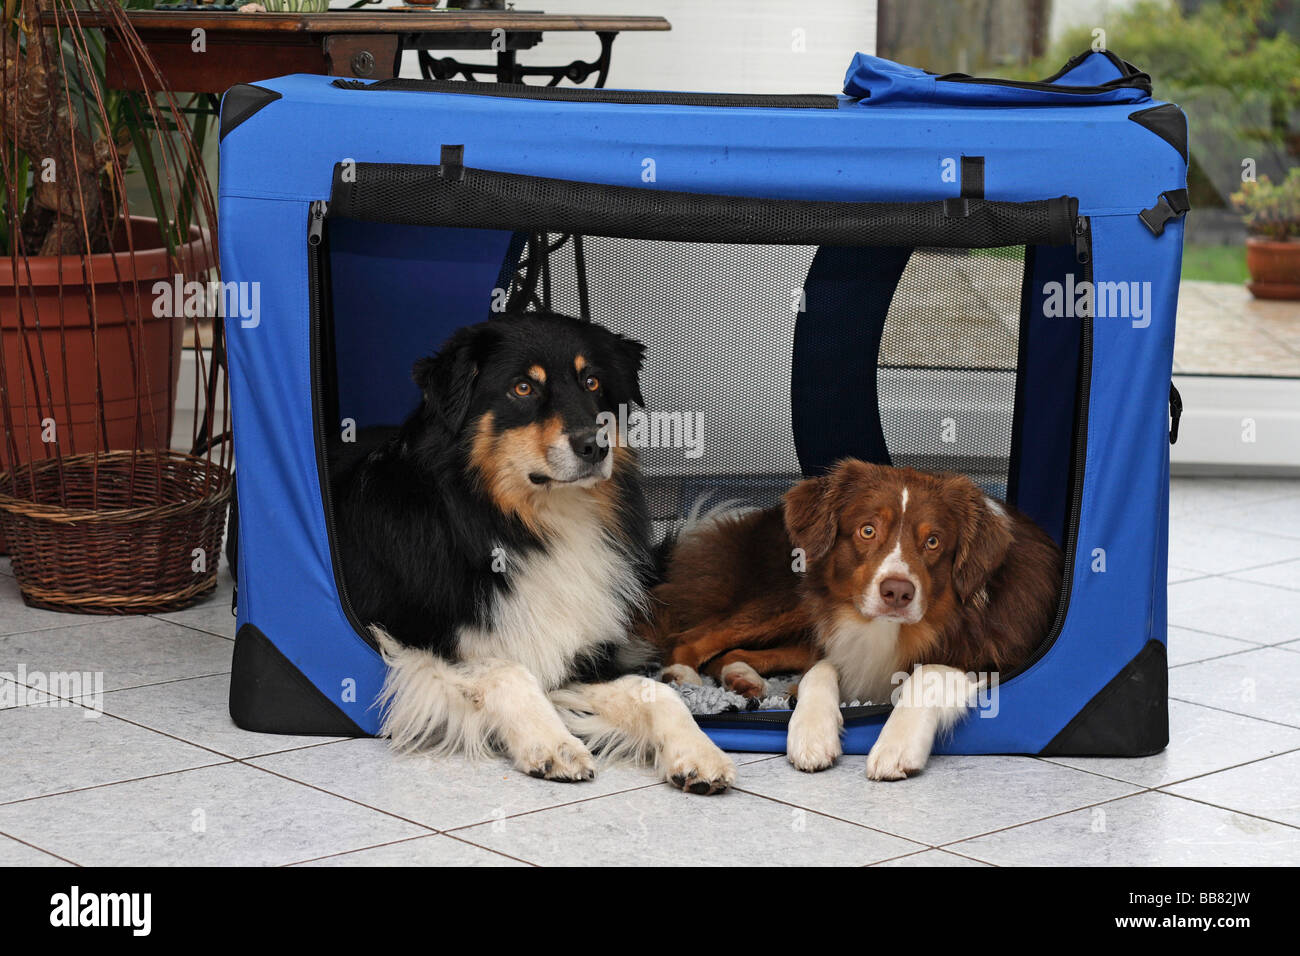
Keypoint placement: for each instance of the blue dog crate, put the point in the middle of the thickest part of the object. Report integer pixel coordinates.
(937, 271)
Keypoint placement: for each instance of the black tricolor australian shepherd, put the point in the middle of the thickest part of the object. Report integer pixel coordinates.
(498, 545)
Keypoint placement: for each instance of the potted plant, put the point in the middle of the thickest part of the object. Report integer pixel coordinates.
(1272, 214)
(64, 213)
(90, 491)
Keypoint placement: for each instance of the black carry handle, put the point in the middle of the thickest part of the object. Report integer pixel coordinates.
(467, 197)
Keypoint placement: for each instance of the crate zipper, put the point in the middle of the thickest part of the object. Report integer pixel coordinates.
(519, 91)
(1130, 78)
(1038, 86)
(1083, 254)
(315, 238)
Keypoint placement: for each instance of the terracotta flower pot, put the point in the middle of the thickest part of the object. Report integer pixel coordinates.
(53, 299)
(1274, 268)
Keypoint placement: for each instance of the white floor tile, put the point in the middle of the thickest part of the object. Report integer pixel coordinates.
(1150, 829)
(1233, 608)
(1201, 740)
(1285, 574)
(1175, 574)
(1267, 788)
(16, 617)
(439, 792)
(1221, 550)
(1197, 497)
(434, 851)
(13, 853)
(1277, 517)
(932, 858)
(197, 710)
(50, 749)
(954, 798)
(1188, 646)
(213, 615)
(660, 826)
(1263, 683)
(127, 651)
(218, 816)
(14, 694)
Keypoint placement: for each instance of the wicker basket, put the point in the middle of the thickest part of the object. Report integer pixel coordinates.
(130, 548)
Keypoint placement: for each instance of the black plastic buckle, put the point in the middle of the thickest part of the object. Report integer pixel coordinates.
(956, 208)
(1172, 204)
(452, 162)
(1175, 413)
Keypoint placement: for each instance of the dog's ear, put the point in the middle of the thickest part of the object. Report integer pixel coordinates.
(811, 518)
(625, 357)
(983, 536)
(447, 378)
(812, 507)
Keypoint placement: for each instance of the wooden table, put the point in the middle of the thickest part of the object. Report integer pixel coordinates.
(246, 47)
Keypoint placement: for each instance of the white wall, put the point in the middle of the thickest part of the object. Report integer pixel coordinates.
(743, 46)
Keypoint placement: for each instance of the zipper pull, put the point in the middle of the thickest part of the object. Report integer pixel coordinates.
(316, 224)
(1082, 240)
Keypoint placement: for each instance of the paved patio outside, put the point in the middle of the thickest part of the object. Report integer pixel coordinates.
(1224, 330)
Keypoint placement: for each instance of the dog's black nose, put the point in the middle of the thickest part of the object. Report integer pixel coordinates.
(897, 592)
(586, 447)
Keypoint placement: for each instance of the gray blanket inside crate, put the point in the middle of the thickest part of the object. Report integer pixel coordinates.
(710, 698)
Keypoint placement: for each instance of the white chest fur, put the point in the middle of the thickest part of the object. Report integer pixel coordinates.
(863, 653)
(563, 601)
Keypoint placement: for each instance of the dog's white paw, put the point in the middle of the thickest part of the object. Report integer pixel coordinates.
(903, 746)
(680, 674)
(812, 741)
(693, 762)
(739, 678)
(565, 759)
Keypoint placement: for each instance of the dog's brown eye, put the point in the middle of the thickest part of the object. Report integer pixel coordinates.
(932, 542)
(523, 389)
(591, 383)
(867, 531)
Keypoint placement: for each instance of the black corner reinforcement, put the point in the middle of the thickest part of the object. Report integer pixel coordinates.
(240, 102)
(1129, 717)
(1168, 122)
(269, 695)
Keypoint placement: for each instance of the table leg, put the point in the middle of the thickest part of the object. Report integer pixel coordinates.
(507, 64)
(509, 70)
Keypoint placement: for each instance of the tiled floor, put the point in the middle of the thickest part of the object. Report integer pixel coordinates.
(1224, 330)
(163, 777)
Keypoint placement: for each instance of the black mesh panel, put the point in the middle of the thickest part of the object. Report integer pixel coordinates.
(718, 323)
(718, 288)
(946, 376)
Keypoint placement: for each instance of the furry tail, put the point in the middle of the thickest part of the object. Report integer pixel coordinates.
(426, 703)
(701, 513)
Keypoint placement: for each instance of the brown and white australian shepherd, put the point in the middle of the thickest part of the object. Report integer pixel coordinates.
(866, 573)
